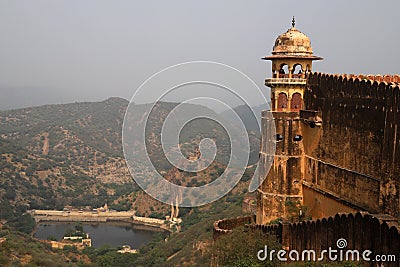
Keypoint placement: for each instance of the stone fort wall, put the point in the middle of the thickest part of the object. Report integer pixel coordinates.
(354, 156)
(350, 162)
(361, 231)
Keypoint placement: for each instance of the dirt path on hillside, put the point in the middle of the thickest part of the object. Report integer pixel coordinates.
(45, 149)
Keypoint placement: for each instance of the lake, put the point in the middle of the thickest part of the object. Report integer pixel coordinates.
(113, 234)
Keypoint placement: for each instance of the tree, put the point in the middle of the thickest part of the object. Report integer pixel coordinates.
(297, 212)
(24, 223)
(78, 227)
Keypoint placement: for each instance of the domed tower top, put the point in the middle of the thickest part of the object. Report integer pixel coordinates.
(292, 44)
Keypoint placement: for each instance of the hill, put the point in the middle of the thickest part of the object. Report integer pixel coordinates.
(71, 154)
(57, 155)
(245, 113)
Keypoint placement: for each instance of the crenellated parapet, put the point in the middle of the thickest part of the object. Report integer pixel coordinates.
(387, 78)
(360, 231)
(226, 225)
(356, 86)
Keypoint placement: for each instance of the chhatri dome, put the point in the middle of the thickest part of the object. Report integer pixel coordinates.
(292, 44)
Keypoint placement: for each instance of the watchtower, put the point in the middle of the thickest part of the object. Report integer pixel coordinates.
(292, 58)
(281, 190)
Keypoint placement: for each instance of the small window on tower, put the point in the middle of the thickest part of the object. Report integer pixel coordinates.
(297, 137)
(279, 137)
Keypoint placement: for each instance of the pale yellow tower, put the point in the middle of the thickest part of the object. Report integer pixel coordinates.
(281, 190)
(292, 58)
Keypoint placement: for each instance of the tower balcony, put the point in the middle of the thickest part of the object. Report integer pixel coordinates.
(271, 82)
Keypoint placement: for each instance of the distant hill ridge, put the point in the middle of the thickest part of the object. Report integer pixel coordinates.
(71, 154)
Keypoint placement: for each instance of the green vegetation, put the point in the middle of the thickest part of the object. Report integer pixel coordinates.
(111, 258)
(82, 163)
(192, 246)
(240, 247)
(21, 250)
(297, 212)
(59, 155)
(76, 231)
(16, 217)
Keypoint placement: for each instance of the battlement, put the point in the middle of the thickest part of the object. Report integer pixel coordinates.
(387, 78)
(379, 233)
(356, 86)
(226, 225)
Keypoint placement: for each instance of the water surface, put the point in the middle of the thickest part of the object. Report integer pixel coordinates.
(113, 234)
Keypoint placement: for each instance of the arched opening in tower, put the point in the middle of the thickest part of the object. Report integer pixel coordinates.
(282, 102)
(284, 71)
(296, 102)
(298, 71)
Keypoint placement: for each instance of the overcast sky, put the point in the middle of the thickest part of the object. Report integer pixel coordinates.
(68, 50)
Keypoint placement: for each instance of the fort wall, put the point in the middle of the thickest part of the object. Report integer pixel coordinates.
(358, 143)
(320, 205)
(361, 231)
(225, 226)
(347, 161)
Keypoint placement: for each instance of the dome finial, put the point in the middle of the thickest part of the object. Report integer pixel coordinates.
(293, 22)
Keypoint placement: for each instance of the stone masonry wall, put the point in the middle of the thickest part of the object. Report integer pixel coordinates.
(283, 180)
(357, 155)
(362, 231)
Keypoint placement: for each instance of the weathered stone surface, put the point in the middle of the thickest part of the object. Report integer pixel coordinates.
(358, 148)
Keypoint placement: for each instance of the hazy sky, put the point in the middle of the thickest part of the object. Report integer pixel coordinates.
(59, 51)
